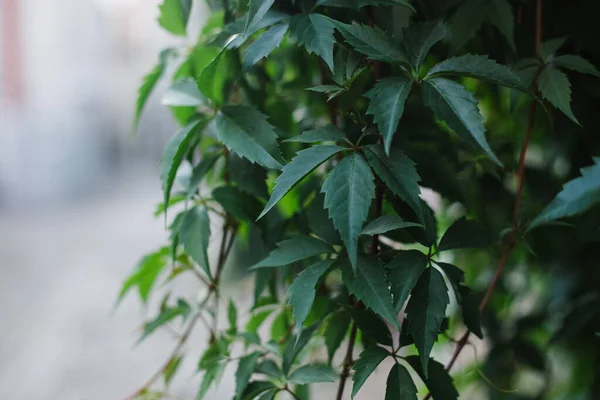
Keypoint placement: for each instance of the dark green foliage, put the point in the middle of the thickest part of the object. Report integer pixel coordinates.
(334, 146)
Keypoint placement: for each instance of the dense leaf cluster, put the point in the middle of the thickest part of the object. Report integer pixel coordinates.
(309, 130)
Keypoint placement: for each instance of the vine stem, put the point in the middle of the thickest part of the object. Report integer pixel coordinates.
(512, 238)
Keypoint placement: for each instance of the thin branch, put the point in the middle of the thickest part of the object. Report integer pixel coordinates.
(181, 342)
(347, 363)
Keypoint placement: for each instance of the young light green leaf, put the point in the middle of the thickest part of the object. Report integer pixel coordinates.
(171, 369)
(419, 38)
(315, 33)
(549, 47)
(475, 66)
(470, 311)
(426, 310)
(399, 385)
(372, 42)
(302, 291)
(457, 107)
(335, 332)
(294, 249)
(465, 23)
(265, 44)
(349, 190)
(499, 13)
(246, 131)
(245, 369)
(404, 272)
(256, 11)
(577, 196)
(255, 322)
(385, 224)
(174, 15)
(398, 172)
(169, 313)
(148, 84)
(312, 373)
(305, 161)
(464, 234)
(232, 316)
(173, 154)
(387, 105)
(577, 64)
(438, 380)
(368, 283)
(182, 93)
(556, 88)
(367, 362)
(237, 203)
(195, 236)
(327, 133)
(145, 274)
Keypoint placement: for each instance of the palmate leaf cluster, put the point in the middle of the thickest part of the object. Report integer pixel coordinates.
(311, 129)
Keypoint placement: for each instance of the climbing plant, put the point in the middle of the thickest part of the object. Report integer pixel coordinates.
(387, 175)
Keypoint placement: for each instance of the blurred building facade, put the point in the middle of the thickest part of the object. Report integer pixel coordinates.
(69, 72)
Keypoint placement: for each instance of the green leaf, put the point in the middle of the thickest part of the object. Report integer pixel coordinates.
(246, 131)
(372, 42)
(400, 385)
(367, 362)
(438, 380)
(269, 367)
(419, 38)
(327, 133)
(371, 326)
(387, 105)
(294, 249)
(465, 23)
(312, 373)
(475, 66)
(265, 44)
(210, 375)
(305, 162)
(426, 310)
(457, 107)
(332, 91)
(213, 79)
(256, 388)
(182, 93)
(256, 11)
(171, 368)
(207, 161)
(357, 4)
(315, 33)
(500, 14)
(349, 190)
(398, 172)
(368, 283)
(295, 346)
(556, 88)
(251, 178)
(302, 291)
(232, 316)
(145, 274)
(245, 369)
(237, 203)
(255, 322)
(269, 394)
(319, 222)
(404, 272)
(148, 84)
(455, 274)
(470, 311)
(173, 154)
(387, 223)
(577, 64)
(182, 309)
(577, 196)
(195, 237)
(174, 15)
(464, 234)
(549, 47)
(335, 332)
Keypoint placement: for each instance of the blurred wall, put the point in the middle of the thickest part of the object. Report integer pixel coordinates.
(69, 72)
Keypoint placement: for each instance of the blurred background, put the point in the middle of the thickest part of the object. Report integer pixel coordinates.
(76, 195)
